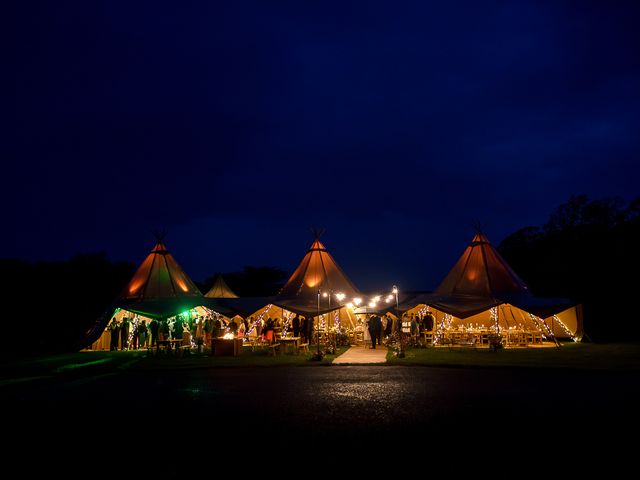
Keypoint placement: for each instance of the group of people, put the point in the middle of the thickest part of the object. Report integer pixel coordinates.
(383, 327)
(299, 325)
(134, 333)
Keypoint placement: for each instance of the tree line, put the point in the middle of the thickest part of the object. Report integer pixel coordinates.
(587, 251)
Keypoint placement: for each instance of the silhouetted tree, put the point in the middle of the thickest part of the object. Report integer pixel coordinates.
(587, 251)
(52, 304)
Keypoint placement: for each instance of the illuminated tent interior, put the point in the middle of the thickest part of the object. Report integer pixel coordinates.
(158, 289)
(482, 292)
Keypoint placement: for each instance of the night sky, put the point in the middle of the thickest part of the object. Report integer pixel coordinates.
(236, 126)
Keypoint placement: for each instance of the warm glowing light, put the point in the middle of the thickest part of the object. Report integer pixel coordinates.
(372, 304)
(376, 298)
(228, 336)
(182, 285)
(357, 301)
(395, 290)
(325, 294)
(387, 300)
(350, 305)
(135, 286)
(340, 296)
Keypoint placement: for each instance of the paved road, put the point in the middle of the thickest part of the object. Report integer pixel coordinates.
(488, 411)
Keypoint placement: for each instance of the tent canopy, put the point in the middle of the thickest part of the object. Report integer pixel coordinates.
(220, 289)
(318, 271)
(159, 276)
(481, 272)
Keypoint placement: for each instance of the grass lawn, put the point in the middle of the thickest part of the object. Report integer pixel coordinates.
(614, 356)
(13, 369)
(259, 358)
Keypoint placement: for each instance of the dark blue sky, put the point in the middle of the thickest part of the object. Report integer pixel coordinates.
(238, 125)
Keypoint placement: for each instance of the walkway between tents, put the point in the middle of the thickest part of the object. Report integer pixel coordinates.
(363, 355)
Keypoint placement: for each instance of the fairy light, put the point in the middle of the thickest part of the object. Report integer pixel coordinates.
(564, 327)
(494, 318)
(259, 319)
(446, 319)
(286, 318)
(132, 329)
(336, 319)
(538, 322)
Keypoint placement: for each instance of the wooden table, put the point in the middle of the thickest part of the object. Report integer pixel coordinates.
(286, 341)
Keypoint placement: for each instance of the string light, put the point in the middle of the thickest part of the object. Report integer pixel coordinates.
(132, 329)
(259, 319)
(564, 327)
(538, 321)
(494, 318)
(446, 320)
(286, 317)
(336, 319)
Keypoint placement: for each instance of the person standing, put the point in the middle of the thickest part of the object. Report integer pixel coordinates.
(428, 321)
(217, 326)
(124, 333)
(208, 330)
(374, 325)
(295, 324)
(154, 326)
(388, 330)
(114, 329)
(142, 334)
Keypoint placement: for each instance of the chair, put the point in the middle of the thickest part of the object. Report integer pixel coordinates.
(303, 347)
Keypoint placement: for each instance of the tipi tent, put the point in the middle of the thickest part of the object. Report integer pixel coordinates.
(481, 271)
(220, 289)
(159, 289)
(482, 291)
(318, 284)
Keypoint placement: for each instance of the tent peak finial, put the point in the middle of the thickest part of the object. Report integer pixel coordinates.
(317, 232)
(478, 227)
(159, 234)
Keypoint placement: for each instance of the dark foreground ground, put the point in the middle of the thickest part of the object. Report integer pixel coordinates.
(317, 417)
